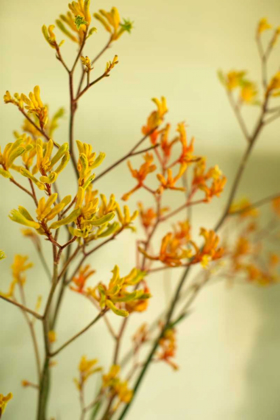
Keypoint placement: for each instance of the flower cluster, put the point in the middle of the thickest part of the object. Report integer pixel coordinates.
(33, 104)
(248, 254)
(86, 368)
(116, 387)
(19, 267)
(167, 180)
(74, 24)
(111, 21)
(168, 347)
(45, 164)
(81, 278)
(4, 401)
(177, 246)
(116, 297)
(238, 81)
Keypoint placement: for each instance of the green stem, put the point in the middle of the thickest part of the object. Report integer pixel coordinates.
(44, 391)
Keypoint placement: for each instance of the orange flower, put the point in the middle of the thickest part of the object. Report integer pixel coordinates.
(165, 144)
(242, 247)
(276, 205)
(80, 280)
(187, 150)
(183, 232)
(171, 252)
(209, 251)
(140, 305)
(201, 177)
(170, 182)
(168, 347)
(145, 169)
(147, 216)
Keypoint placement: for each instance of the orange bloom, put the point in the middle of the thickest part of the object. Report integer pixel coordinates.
(145, 169)
(147, 216)
(80, 280)
(276, 205)
(209, 251)
(165, 144)
(201, 177)
(168, 347)
(170, 182)
(171, 252)
(187, 150)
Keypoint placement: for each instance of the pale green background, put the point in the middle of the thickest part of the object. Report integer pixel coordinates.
(229, 349)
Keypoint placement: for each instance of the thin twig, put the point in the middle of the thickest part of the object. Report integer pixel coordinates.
(24, 308)
(52, 354)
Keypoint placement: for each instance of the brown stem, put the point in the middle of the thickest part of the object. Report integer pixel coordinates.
(35, 345)
(92, 62)
(52, 354)
(239, 117)
(118, 342)
(127, 156)
(35, 125)
(21, 187)
(24, 308)
(183, 207)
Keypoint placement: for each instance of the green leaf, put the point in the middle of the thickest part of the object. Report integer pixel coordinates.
(119, 312)
(111, 229)
(67, 220)
(102, 220)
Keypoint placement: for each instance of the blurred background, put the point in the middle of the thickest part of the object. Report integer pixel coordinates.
(228, 349)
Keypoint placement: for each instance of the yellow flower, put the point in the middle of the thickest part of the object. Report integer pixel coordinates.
(2, 255)
(11, 152)
(248, 93)
(77, 21)
(33, 104)
(263, 26)
(45, 213)
(19, 266)
(90, 220)
(274, 85)
(86, 62)
(3, 402)
(233, 79)
(45, 163)
(111, 64)
(111, 377)
(125, 218)
(50, 36)
(116, 387)
(87, 162)
(111, 21)
(52, 336)
(155, 119)
(244, 208)
(86, 369)
(116, 295)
